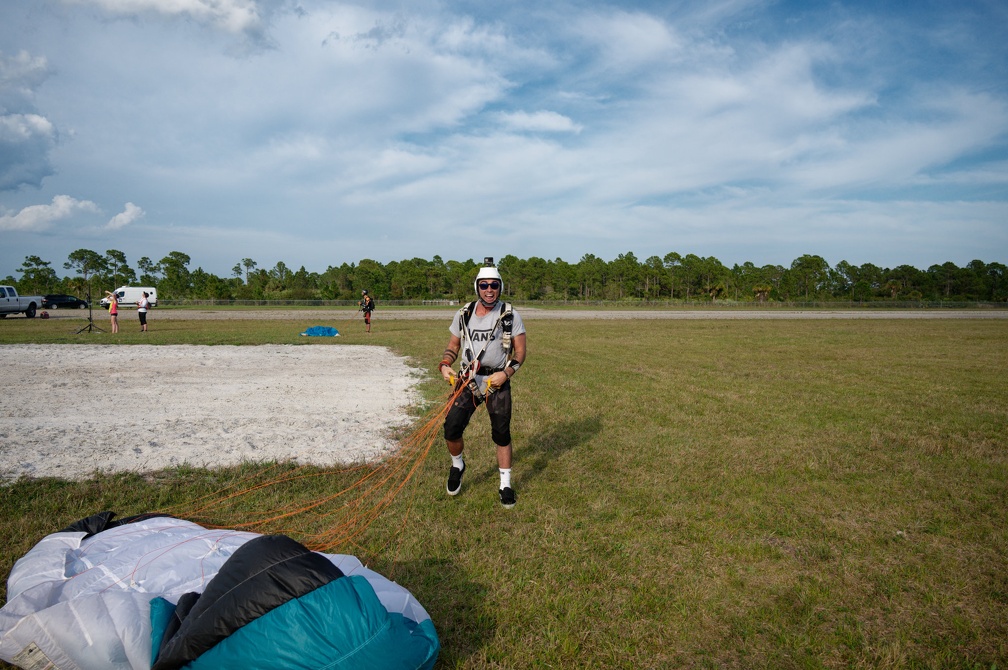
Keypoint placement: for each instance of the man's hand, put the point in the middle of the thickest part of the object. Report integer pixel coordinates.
(448, 374)
(496, 380)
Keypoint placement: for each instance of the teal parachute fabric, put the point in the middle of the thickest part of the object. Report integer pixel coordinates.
(338, 626)
(274, 599)
(320, 331)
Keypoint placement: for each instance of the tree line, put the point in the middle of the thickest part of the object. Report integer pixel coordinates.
(673, 277)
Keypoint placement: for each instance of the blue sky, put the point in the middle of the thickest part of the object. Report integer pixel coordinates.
(317, 133)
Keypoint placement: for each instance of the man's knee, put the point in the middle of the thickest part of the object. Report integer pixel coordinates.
(501, 437)
(454, 425)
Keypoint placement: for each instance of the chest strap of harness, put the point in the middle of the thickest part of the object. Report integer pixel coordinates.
(506, 321)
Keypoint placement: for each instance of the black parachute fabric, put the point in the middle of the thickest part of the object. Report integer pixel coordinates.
(262, 574)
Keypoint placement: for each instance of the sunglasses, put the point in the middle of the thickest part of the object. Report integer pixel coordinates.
(484, 285)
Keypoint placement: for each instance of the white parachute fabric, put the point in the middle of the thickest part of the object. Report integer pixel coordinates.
(83, 601)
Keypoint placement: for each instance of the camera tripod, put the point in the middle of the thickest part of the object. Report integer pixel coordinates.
(90, 327)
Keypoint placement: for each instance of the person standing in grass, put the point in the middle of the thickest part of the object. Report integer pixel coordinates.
(113, 310)
(490, 337)
(366, 305)
(143, 304)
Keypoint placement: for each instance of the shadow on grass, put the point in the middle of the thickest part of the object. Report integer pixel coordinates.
(555, 442)
(456, 604)
(535, 456)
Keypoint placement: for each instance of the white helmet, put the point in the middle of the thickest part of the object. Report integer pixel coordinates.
(488, 271)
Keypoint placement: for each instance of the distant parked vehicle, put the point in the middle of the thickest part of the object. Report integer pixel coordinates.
(61, 301)
(12, 303)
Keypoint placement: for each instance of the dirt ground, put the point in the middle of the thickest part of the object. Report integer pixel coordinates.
(68, 411)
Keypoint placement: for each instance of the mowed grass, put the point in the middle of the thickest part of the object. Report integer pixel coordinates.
(748, 494)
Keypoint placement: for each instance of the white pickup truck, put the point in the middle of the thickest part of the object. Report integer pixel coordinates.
(12, 303)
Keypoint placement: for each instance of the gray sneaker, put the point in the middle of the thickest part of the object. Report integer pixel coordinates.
(507, 496)
(455, 480)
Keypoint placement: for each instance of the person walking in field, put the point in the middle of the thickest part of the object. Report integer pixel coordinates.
(488, 338)
(366, 305)
(113, 303)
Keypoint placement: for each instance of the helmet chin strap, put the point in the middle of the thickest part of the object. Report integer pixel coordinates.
(488, 304)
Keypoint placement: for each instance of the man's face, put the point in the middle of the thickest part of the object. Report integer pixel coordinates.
(489, 289)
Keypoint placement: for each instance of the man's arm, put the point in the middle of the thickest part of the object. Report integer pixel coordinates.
(517, 358)
(449, 356)
(519, 348)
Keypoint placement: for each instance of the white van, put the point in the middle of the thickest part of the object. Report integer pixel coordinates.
(130, 295)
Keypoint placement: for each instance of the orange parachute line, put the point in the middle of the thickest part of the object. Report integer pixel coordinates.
(344, 515)
(407, 463)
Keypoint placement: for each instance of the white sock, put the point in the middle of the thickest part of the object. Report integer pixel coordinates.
(505, 474)
(458, 462)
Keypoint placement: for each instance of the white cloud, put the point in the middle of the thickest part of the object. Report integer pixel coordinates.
(22, 73)
(40, 217)
(627, 41)
(16, 128)
(129, 214)
(26, 137)
(542, 121)
(898, 152)
(234, 16)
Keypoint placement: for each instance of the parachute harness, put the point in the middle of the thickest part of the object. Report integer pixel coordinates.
(468, 371)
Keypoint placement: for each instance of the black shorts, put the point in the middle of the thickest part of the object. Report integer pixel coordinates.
(143, 318)
(498, 408)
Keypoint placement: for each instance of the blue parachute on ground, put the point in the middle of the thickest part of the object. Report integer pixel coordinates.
(159, 592)
(320, 331)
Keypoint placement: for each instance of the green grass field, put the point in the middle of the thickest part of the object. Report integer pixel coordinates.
(743, 493)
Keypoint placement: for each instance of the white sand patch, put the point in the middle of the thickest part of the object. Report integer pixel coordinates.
(70, 410)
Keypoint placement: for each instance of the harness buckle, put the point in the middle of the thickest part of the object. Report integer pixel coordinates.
(474, 389)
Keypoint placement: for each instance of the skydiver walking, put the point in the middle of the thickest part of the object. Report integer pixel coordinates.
(491, 338)
(366, 305)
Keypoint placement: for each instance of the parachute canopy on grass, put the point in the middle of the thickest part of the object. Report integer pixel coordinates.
(320, 331)
(164, 592)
